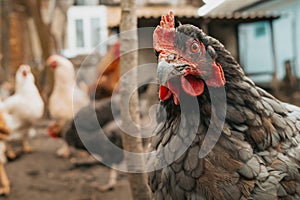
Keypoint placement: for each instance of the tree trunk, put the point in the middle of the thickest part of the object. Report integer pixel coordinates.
(46, 78)
(4, 39)
(138, 183)
(34, 10)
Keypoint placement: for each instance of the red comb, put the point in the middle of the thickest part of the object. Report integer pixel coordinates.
(163, 37)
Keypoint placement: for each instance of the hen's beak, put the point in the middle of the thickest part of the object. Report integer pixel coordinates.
(167, 71)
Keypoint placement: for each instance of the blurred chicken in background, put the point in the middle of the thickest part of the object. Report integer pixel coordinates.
(4, 132)
(6, 89)
(66, 98)
(96, 124)
(22, 109)
(83, 133)
(108, 74)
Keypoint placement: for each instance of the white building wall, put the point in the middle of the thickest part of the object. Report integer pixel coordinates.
(283, 42)
(90, 31)
(255, 53)
(297, 36)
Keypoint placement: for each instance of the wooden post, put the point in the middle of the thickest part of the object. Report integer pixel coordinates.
(273, 48)
(5, 50)
(46, 79)
(34, 9)
(295, 45)
(138, 183)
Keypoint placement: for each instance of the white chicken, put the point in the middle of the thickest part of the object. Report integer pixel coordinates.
(66, 98)
(23, 108)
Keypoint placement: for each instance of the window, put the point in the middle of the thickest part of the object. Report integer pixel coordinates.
(79, 33)
(260, 29)
(87, 28)
(95, 32)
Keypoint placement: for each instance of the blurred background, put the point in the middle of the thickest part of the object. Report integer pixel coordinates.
(263, 35)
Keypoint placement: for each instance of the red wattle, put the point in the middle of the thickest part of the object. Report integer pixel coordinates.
(218, 79)
(51, 132)
(164, 93)
(174, 88)
(191, 85)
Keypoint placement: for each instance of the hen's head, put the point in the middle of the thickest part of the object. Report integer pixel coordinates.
(187, 62)
(62, 66)
(24, 75)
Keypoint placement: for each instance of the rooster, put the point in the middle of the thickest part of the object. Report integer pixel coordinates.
(23, 108)
(66, 98)
(256, 155)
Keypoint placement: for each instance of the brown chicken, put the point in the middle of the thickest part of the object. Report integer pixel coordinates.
(108, 73)
(256, 155)
(4, 132)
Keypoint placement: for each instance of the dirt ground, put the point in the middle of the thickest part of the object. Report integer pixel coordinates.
(41, 175)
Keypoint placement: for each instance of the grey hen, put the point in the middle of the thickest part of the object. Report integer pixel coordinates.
(257, 154)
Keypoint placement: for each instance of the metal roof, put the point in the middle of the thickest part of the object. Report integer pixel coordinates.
(230, 6)
(260, 15)
(114, 13)
(269, 5)
(223, 12)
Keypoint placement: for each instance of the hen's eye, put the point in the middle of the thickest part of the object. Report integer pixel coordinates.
(195, 47)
